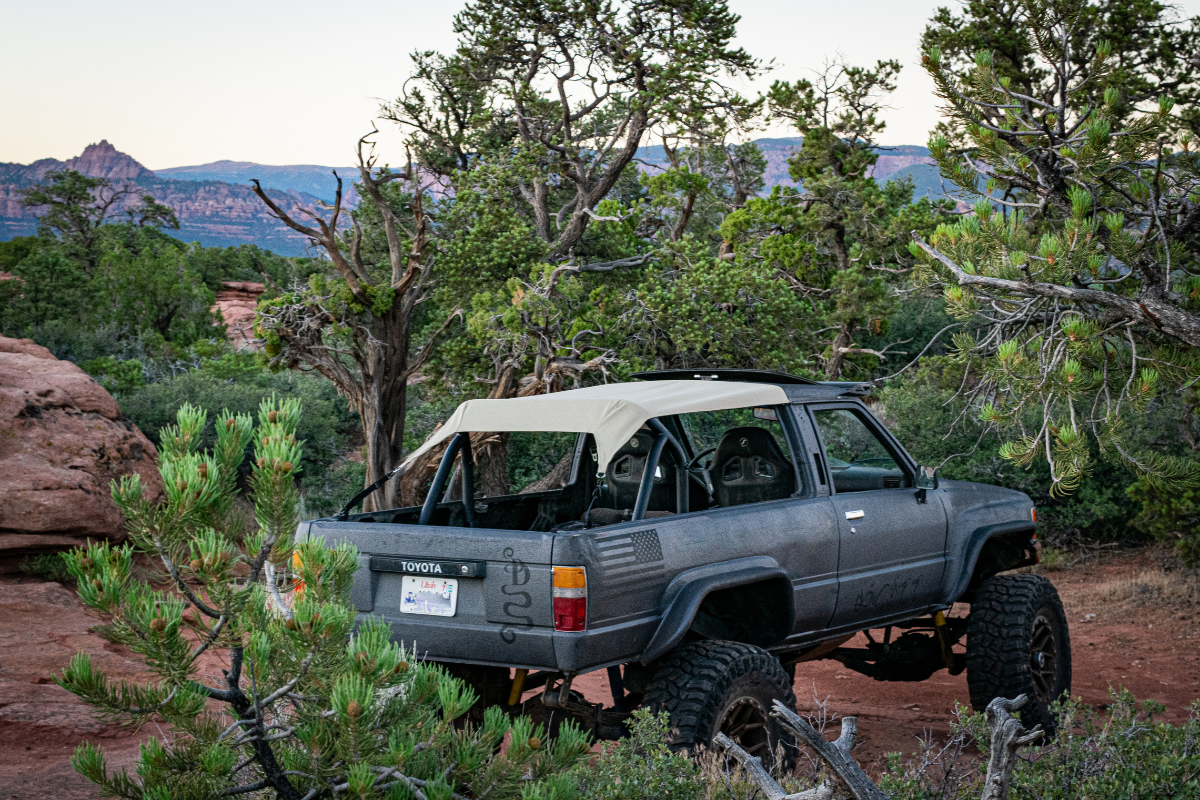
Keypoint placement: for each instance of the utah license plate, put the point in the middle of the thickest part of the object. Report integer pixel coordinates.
(437, 597)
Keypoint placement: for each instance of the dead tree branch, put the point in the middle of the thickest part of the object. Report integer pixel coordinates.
(1007, 737)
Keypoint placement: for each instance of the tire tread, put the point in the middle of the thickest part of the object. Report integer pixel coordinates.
(692, 680)
(998, 634)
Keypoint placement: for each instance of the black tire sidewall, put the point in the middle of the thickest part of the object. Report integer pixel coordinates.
(699, 683)
(999, 644)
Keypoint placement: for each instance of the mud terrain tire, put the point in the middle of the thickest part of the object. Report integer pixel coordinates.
(1018, 643)
(707, 687)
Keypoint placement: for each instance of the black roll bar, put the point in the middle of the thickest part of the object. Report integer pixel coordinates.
(663, 439)
(460, 442)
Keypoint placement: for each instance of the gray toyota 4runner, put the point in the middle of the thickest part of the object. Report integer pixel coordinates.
(707, 533)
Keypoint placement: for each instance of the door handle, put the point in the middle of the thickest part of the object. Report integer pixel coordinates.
(855, 515)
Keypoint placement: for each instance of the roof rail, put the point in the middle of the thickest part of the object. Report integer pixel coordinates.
(855, 388)
(743, 375)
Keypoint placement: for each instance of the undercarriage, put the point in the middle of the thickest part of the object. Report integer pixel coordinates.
(910, 651)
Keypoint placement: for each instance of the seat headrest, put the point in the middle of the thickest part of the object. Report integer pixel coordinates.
(749, 467)
(748, 441)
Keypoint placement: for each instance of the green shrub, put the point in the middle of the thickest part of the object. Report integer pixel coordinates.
(1119, 753)
(325, 493)
(1053, 559)
(48, 566)
(923, 413)
(642, 766)
(1172, 516)
(118, 378)
(237, 381)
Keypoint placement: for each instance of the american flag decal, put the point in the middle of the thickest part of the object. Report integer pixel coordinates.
(629, 557)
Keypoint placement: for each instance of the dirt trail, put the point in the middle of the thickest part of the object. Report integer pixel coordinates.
(1145, 635)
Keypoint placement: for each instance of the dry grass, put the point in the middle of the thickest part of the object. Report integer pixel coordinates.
(1178, 590)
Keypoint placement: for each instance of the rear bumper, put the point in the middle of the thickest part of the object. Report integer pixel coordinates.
(497, 645)
(487, 643)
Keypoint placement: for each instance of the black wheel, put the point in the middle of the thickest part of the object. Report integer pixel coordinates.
(726, 687)
(1018, 643)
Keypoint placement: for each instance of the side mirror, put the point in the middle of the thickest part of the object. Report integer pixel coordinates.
(927, 478)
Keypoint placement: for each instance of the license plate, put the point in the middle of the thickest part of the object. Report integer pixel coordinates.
(436, 597)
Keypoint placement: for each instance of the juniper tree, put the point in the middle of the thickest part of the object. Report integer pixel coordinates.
(1080, 262)
(838, 237)
(361, 322)
(76, 208)
(568, 92)
(309, 704)
(1152, 52)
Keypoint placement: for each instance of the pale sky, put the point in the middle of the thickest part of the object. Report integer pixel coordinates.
(297, 81)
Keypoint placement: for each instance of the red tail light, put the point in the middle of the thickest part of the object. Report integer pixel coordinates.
(570, 598)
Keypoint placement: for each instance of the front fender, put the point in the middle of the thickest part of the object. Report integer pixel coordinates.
(975, 542)
(689, 588)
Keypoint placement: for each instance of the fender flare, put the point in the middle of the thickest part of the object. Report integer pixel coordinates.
(979, 537)
(689, 588)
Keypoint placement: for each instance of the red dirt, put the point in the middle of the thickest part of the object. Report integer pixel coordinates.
(1153, 652)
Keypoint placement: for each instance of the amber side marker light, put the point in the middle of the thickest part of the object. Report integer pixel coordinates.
(297, 584)
(570, 598)
(1033, 516)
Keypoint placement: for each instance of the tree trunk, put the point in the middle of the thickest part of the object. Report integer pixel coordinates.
(385, 407)
(837, 358)
(492, 458)
(493, 468)
(556, 478)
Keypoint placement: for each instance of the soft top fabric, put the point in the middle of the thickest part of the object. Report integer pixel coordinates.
(612, 413)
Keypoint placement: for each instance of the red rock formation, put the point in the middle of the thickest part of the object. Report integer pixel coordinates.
(96, 161)
(237, 300)
(62, 441)
(212, 212)
(105, 161)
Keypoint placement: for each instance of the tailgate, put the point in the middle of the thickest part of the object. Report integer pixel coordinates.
(502, 606)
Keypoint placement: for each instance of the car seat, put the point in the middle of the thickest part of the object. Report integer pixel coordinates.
(624, 475)
(749, 467)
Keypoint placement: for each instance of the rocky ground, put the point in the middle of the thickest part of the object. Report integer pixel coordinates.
(1131, 626)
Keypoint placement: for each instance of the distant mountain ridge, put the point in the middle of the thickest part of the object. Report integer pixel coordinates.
(97, 161)
(309, 178)
(908, 159)
(214, 213)
(217, 207)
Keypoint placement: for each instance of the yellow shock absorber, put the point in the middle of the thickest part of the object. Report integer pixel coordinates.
(518, 687)
(939, 627)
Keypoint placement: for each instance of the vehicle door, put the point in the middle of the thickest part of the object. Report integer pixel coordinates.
(796, 526)
(892, 537)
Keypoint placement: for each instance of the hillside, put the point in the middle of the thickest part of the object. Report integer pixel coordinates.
(216, 206)
(212, 212)
(309, 178)
(894, 162)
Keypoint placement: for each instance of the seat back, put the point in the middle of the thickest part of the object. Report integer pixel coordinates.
(749, 467)
(625, 474)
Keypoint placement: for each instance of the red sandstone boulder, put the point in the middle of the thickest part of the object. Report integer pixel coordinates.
(237, 302)
(62, 441)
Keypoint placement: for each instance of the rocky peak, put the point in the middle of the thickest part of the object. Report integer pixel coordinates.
(105, 161)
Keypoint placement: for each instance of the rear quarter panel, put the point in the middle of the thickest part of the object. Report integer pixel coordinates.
(631, 567)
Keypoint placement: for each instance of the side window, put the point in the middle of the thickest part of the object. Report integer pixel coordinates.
(740, 456)
(858, 460)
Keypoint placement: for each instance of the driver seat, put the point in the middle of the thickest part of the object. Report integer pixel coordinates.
(749, 467)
